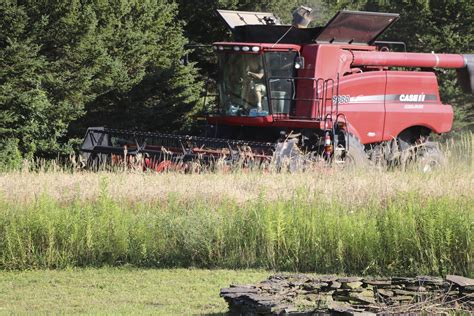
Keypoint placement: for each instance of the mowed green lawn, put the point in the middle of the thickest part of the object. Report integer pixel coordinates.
(119, 290)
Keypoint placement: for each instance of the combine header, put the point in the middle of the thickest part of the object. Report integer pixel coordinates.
(159, 152)
(332, 92)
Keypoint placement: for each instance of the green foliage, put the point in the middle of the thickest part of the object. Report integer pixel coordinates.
(166, 95)
(410, 234)
(164, 100)
(59, 56)
(10, 156)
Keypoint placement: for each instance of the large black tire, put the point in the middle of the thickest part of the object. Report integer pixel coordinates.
(429, 157)
(354, 156)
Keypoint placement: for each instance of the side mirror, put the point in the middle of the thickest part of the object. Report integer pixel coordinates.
(299, 62)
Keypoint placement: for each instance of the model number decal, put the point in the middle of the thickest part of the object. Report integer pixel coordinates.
(413, 106)
(341, 99)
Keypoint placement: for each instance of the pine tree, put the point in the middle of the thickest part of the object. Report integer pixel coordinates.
(58, 58)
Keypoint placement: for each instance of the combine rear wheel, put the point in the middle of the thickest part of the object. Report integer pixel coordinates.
(429, 157)
(424, 157)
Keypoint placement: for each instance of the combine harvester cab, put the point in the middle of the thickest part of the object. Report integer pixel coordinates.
(329, 91)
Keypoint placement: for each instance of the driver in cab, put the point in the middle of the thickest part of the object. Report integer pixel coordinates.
(256, 73)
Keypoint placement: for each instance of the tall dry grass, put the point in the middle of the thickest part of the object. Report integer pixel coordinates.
(330, 221)
(349, 188)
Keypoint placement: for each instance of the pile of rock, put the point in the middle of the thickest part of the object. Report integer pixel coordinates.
(304, 294)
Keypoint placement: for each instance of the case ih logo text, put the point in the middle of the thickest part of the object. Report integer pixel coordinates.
(412, 97)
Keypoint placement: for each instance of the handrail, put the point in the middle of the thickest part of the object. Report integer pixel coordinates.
(324, 91)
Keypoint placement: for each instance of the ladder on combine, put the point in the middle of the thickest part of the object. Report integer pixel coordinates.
(318, 101)
(321, 104)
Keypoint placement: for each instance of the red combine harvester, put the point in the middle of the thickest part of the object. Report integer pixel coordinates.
(297, 93)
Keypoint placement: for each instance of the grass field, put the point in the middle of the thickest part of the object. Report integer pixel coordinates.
(119, 291)
(330, 222)
(133, 242)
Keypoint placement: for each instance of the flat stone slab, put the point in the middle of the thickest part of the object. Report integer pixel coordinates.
(328, 278)
(352, 285)
(349, 279)
(299, 294)
(428, 280)
(239, 290)
(459, 280)
(378, 282)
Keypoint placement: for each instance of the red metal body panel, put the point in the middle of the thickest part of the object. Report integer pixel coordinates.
(322, 61)
(305, 89)
(263, 121)
(365, 110)
(430, 113)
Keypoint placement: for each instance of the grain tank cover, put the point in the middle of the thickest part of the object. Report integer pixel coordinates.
(356, 27)
(239, 18)
(346, 27)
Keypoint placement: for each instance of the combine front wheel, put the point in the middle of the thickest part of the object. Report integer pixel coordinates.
(354, 156)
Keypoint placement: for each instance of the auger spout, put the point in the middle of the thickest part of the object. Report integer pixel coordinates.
(423, 60)
(464, 64)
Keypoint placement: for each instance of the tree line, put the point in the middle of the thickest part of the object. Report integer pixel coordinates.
(67, 65)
